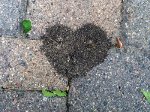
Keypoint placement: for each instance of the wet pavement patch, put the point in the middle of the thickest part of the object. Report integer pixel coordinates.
(74, 53)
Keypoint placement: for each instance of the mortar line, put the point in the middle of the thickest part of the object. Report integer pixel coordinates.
(67, 98)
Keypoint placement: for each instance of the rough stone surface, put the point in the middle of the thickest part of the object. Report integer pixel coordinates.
(24, 101)
(11, 14)
(74, 14)
(24, 66)
(115, 84)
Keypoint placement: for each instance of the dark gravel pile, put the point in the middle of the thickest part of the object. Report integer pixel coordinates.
(74, 53)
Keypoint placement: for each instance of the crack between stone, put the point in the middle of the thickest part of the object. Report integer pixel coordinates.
(67, 98)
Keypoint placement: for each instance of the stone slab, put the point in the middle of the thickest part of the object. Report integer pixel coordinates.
(24, 66)
(115, 84)
(74, 14)
(11, 14)
(25, 101)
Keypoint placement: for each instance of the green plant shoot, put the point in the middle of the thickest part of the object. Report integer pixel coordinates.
(59, 93)
(146, 94)
(47, 93)
(26, 25)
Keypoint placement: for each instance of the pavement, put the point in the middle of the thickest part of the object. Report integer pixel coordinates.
(30, 101)
(71, 44)
(114, 85)
(24, 66)
(12, 12)
(73, 14)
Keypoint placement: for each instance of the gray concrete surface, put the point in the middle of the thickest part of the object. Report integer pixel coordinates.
(114, 86)
(11, 14)
(27, 101)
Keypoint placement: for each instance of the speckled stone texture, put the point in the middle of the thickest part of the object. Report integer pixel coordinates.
(24, 66)
(24, 101)
(11, 14)
(74, 13)
(114, 86)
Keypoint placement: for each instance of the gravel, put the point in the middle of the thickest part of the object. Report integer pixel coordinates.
(73, 53)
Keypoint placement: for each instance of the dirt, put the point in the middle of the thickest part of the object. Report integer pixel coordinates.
(74, 53)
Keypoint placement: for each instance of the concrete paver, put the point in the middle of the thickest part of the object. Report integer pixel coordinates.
(112, 85)
(74, 14)
(11, 14)
(24, 66)
(26, 101)
(115, 84)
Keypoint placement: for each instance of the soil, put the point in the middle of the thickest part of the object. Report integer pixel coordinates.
(74, 53)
